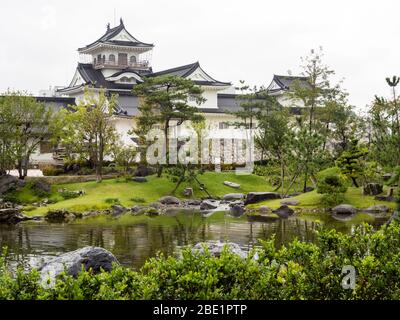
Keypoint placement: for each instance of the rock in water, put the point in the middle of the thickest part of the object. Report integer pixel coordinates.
(234, 196)
(11, 216)
(118, 210)
(380, 208)
(236, 211)
(169, 200)
(254, 197)
(344, 209)
(373, 189)
(208, 204)
(94, 258)
(284, 211)
(264, 209)
(215, 248)
(59, 216)
(232, 184)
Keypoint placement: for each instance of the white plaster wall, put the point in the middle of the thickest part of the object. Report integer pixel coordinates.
(123, 126)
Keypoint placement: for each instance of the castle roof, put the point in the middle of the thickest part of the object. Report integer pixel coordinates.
(117, 36)
(286, 83)
(191, 71)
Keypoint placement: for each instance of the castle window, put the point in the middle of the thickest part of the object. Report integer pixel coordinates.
(111, 58)
(132, 59)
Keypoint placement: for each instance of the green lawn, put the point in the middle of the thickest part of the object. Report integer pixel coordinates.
(97, 193)
(311, 200)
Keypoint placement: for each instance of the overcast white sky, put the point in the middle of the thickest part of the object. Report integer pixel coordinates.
(233, 40)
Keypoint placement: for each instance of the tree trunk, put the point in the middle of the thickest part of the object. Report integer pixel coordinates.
(282, 176)
(305, 180)
(19, 167)
(160, 167)
(182, 178)
(354, 180)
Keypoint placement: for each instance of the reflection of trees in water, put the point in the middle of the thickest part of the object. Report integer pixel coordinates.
(134, 243)
(286, 230)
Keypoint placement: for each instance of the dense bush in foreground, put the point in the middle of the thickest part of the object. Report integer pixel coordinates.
(297, 271)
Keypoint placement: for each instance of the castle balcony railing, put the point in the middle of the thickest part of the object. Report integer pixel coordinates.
(120, 65)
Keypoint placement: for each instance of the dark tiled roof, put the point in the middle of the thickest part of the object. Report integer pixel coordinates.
(112, 32)
(288, 82)
(62, 100)
(181, 71)
(185, 71)
(96, 78)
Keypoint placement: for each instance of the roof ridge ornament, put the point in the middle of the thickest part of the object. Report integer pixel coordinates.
(121, 21)
(108, 27)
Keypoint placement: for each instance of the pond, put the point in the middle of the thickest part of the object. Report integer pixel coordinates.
(135, 239)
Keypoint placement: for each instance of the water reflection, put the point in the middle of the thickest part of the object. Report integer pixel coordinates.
(134, 240)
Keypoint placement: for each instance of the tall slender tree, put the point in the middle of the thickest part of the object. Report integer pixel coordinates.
(24, 124)
(167, 100)
(89, 130)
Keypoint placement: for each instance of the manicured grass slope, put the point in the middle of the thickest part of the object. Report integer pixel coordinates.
(97, 193)
(353, 196)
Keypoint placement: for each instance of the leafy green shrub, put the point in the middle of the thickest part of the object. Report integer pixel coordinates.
(299, 270)
(52, 171)
(112, 201)
(68, 194)
(138, 200)
(332, 186)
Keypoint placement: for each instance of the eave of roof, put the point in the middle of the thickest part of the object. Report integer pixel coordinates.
(187, 70)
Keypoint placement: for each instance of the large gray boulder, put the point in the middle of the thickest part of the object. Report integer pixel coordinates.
(234, 196)
(118, 210)
(254, 197)
(283, 211)
(94, 258)
(143, 171)
(373, 189)
(42, 186)
(59, 216)
(169, 200)
(11, 216)
(236, 211)
(232, 184)
(7, 183)
(344, 209)
(215, 248)
(209, 204)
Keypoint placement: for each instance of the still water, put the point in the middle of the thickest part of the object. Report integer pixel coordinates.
(135, 239)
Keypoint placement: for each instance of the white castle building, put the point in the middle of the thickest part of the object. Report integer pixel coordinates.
(117, 61)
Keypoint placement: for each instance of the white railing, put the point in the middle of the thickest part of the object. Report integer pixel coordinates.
(117, 64)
